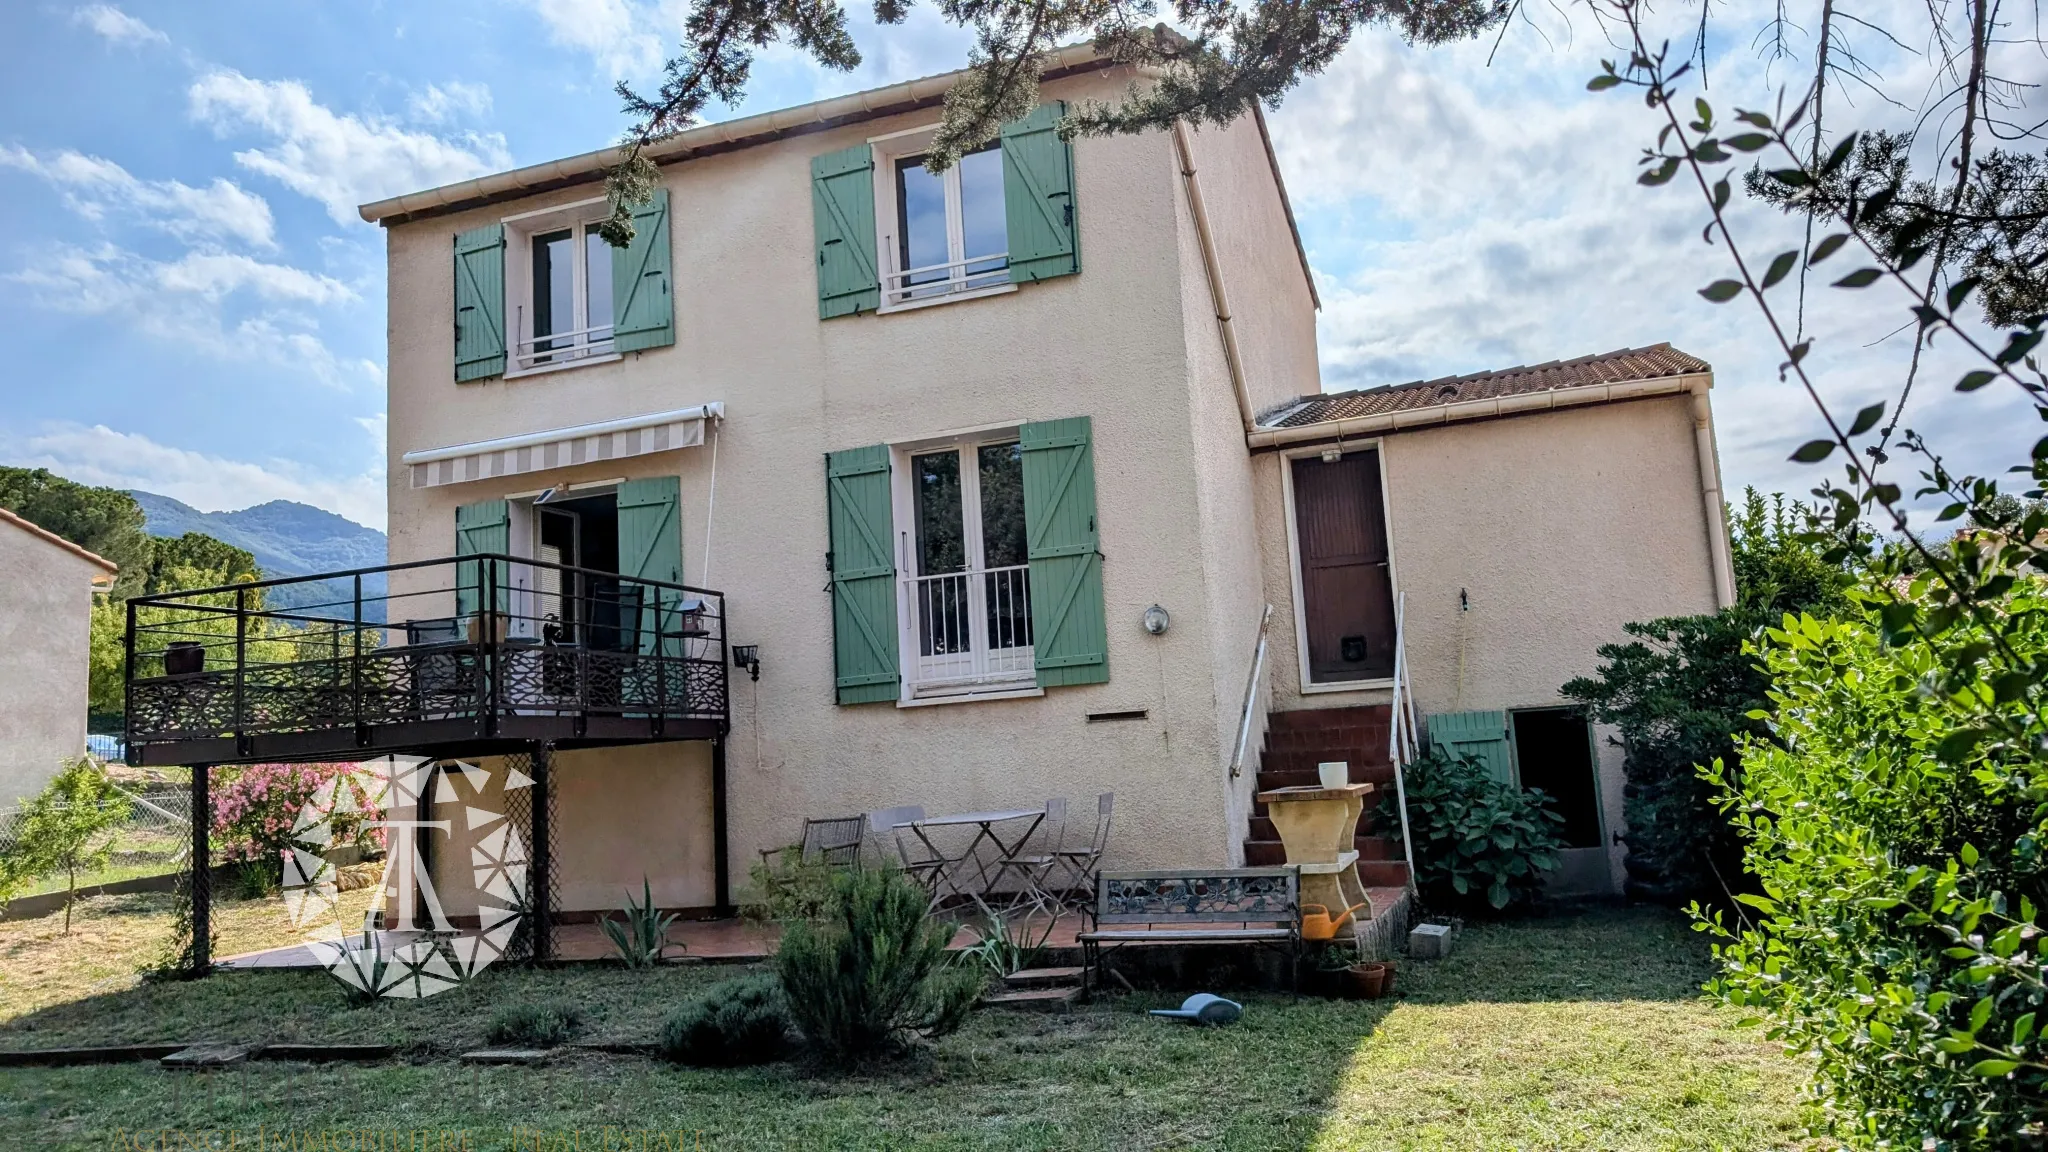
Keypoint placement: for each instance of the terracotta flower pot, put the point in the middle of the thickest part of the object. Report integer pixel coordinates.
(1365, 981)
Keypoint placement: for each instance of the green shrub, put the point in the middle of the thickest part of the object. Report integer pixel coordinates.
(1475, 837)
(534, 1025)
(787, 888)
(741, 1021)
(1896, 825)
(870, 974)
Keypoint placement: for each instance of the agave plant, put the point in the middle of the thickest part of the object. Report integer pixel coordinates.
(641, 937)
(1005, 946)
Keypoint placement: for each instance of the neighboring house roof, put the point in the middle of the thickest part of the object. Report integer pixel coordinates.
(48, 536)
(1626, 365)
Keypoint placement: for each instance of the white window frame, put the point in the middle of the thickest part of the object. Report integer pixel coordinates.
(592, 344)
(1309, 686)
(1015, 672)
(887, 151)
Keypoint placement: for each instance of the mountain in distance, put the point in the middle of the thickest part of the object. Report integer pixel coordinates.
(287, 539)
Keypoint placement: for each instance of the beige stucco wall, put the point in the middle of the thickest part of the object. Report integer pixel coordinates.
(45, 628)
(1114, 342)
(1273, 315)
(1560, 527)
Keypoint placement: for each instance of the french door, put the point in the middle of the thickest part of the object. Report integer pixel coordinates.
(966, 583)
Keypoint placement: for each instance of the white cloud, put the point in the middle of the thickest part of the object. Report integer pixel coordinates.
(117, 26)
(1464, 217)
(620, 36)
(230, 307)
(101, 455)
(214, 275)
(443, 102)
(339, 160)
(102, 190)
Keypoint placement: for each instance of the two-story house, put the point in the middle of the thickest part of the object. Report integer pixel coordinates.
(998, 472)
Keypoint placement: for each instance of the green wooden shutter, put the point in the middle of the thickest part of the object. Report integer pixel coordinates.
(480, 303)
(1477, 736)
(863, 575)
(480, 528)
(843, 214)
(643, 307)
(1038, 197)
(651, 548)
(1068, 631)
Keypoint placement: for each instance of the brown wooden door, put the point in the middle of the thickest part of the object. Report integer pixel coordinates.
(1347, 588)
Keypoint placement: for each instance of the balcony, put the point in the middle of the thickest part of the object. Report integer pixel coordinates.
(461, 656)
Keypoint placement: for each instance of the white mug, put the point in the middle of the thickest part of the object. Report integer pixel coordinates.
(1334, 774)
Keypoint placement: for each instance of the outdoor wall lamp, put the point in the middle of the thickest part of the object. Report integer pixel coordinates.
(1156, 620)
(748, 656)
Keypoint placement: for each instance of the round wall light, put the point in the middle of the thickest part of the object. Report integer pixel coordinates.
(1156, 620)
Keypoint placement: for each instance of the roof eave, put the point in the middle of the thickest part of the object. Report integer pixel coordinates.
(1492, 408)
(706, 139)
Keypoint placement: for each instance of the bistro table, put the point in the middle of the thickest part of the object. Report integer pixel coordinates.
(952, 872)
(1318, 827)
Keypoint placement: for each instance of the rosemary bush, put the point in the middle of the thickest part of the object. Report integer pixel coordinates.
(871, 974)
(740, 1021)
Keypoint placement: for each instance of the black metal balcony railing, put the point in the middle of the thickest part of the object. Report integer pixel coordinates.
(478, 652)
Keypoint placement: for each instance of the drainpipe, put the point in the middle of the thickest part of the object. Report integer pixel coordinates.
(1184, 151)
(1710, 494)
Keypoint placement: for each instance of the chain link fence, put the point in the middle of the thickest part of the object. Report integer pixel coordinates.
(158, 832)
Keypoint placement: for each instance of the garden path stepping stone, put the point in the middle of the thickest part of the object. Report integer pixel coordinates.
(507, 1056)
(207, 1056)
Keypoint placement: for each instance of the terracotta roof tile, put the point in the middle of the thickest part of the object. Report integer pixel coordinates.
(35, 529)
(1654, 362)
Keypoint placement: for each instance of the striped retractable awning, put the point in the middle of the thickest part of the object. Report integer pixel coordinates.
(561, 447)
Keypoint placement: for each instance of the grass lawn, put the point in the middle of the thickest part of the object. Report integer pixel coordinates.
(1583, 1031)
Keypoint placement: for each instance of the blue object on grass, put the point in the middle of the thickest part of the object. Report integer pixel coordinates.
(1203, 1008)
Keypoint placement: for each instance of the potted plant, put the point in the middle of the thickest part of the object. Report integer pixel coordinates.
(184, 657)
(1333, 970)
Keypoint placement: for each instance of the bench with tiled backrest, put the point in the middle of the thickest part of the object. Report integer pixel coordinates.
(1260, 906)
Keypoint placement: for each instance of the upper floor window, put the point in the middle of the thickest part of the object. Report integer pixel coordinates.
(562, 306)
(952, 233)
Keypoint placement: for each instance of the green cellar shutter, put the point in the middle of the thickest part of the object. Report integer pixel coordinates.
(1068, 630)
(1038, 197)
(480, 303)
(643, 307)
(651, 548)
(481, 528)
(863, 575)
(843, 215)
(1478, 736)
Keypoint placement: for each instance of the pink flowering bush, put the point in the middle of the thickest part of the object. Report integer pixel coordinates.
(255, 807)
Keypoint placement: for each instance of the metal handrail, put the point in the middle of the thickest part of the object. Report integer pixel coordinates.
(949, 265)
(1401, 731)
(167, 598)
(1251, 692)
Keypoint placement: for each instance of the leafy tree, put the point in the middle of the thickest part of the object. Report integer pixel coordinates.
(1236, 55)
(104, 521)
(1681, 693)
(1902, 874)
(1897, 818)
(69, 827)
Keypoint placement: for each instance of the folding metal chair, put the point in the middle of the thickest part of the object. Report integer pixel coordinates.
(1032, 869)
(833, 841)
(925, 869)
(1076, 867)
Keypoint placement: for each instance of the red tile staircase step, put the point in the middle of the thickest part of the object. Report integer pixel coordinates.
(1296, 742)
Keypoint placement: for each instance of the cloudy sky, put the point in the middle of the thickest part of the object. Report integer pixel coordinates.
(192, 305)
